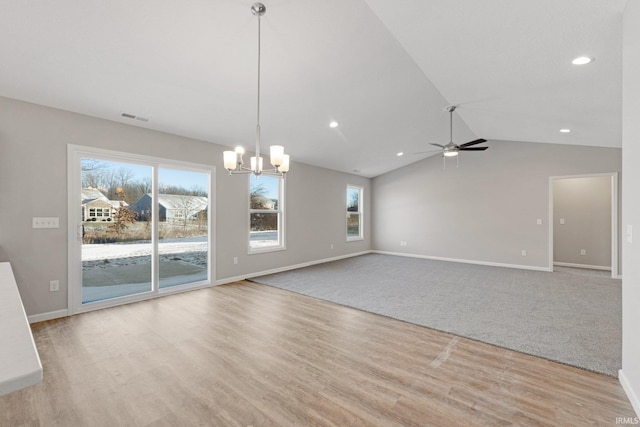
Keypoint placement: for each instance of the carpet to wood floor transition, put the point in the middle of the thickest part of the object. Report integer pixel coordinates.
(570, 318)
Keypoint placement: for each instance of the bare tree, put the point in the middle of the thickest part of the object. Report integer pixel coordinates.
(139, 188)
(195, 190)
(189, 208)
(258, 200)
(124, 216)
(89, 165)
(122, 219)
(122, 178)
(354, 199)
(257, 196)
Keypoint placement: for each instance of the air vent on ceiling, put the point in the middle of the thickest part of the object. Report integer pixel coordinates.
(134, 117)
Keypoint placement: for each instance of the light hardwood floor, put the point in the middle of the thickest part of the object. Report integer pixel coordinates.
(250, 355)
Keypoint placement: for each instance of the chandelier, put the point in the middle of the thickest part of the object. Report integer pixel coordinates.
(233, 161)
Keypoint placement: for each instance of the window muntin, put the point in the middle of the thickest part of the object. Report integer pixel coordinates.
(265, 213)
(354, 213)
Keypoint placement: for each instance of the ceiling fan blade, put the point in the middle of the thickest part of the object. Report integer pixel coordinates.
(470, 143)
(437, 145)
(472, 148)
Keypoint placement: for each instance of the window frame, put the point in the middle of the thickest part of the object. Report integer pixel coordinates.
(280, 211)
(360, 213)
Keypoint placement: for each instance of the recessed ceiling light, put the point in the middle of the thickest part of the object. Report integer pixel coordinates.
(400, 154)
(565, 130)
(333, 124)
(582, 60)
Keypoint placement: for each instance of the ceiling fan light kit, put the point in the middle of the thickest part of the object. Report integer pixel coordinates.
(233, 161)
(451, 149)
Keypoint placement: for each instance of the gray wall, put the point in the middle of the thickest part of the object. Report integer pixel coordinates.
(33, 182)
(585, 206)
(484, 211)
(630, 374)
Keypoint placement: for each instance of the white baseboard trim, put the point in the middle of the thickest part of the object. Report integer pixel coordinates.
(587, 266)
(63, 313)
(41, 317)
(287, 268)
(34, 318)
(631, 394)
(465, 261)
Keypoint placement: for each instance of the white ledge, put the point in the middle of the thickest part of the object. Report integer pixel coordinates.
(20, 365)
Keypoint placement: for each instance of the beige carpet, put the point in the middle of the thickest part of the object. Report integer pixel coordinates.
(570, 318)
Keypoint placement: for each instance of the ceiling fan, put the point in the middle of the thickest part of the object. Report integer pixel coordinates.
(451, 149)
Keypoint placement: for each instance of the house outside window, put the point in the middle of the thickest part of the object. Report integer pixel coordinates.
(354, 213)
(266, 214)
(97, 207)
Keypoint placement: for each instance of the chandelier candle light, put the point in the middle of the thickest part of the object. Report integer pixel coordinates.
(233, 159)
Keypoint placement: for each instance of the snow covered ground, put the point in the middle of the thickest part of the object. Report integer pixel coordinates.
(103, 251)
(116, 269)
(111, 270)
(192, 250)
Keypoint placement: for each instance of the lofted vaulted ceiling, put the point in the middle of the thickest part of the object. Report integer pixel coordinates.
(383, 69)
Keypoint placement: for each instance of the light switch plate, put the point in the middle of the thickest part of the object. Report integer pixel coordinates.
(48, 222)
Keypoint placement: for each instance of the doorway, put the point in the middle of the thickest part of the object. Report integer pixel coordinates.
(583, 222)
(138, 227)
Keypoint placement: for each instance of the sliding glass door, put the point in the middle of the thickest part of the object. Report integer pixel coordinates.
(183, 202)
(116, 244)
(139, 226)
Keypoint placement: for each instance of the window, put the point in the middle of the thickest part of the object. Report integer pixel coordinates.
(266, 213)
(354, 213)
(99, 212)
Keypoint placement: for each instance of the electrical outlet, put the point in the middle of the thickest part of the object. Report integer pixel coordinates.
(524, 252)
(54, 286)
(539, 221)
(235, 260)
(331, 247)
(583, 251)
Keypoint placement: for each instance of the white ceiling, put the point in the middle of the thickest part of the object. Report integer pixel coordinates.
(384, 69)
